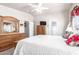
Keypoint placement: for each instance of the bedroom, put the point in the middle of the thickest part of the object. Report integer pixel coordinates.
(34, 23)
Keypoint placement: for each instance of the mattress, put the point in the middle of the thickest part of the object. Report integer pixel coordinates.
(45, 45)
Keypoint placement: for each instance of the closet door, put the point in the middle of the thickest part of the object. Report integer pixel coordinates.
(41, 30)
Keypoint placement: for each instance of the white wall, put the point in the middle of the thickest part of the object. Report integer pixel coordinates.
(6, 11)
(62, 19)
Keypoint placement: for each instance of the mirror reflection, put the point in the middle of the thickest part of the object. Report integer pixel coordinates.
(8, 27)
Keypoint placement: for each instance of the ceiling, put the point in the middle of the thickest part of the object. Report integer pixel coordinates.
(52, 7)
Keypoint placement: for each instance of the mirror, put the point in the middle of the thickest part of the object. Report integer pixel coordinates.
(74, 19)
(8, 27)
(9, 24)
(75, 16)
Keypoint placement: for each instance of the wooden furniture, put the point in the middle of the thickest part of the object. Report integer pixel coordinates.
(9, 37)
(8, 41)
(41, 30)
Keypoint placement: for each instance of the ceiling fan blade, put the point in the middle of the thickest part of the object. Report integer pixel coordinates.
(44, 8)
(40, 5)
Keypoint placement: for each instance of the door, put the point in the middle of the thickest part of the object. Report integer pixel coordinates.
(26, 25)
(29, 28)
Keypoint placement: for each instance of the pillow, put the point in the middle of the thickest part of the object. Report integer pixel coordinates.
(67, 34)
(73, 40)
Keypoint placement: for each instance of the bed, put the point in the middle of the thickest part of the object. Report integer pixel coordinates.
(45, 45)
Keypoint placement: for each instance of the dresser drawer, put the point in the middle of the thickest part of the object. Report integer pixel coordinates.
(9, 41)
(5, 47)
(5, 41)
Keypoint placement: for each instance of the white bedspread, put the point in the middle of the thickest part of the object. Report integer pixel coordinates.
(44, 45)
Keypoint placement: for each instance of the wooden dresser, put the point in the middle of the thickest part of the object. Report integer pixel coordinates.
(8, 41)
(9, 32)
(41, 30)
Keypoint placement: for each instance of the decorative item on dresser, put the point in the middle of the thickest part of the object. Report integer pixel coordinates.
(9, 32)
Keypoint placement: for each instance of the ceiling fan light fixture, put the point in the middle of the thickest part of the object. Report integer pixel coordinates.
(39, 9)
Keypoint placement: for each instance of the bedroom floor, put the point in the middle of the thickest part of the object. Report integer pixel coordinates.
(7, 52)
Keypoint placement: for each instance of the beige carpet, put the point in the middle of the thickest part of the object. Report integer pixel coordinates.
(7, 52)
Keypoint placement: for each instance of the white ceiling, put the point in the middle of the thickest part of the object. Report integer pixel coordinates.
(52, 7)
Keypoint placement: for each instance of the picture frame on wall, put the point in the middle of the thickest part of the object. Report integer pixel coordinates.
(42, 22)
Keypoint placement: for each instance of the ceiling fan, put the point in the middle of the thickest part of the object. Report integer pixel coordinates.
(38, 7)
